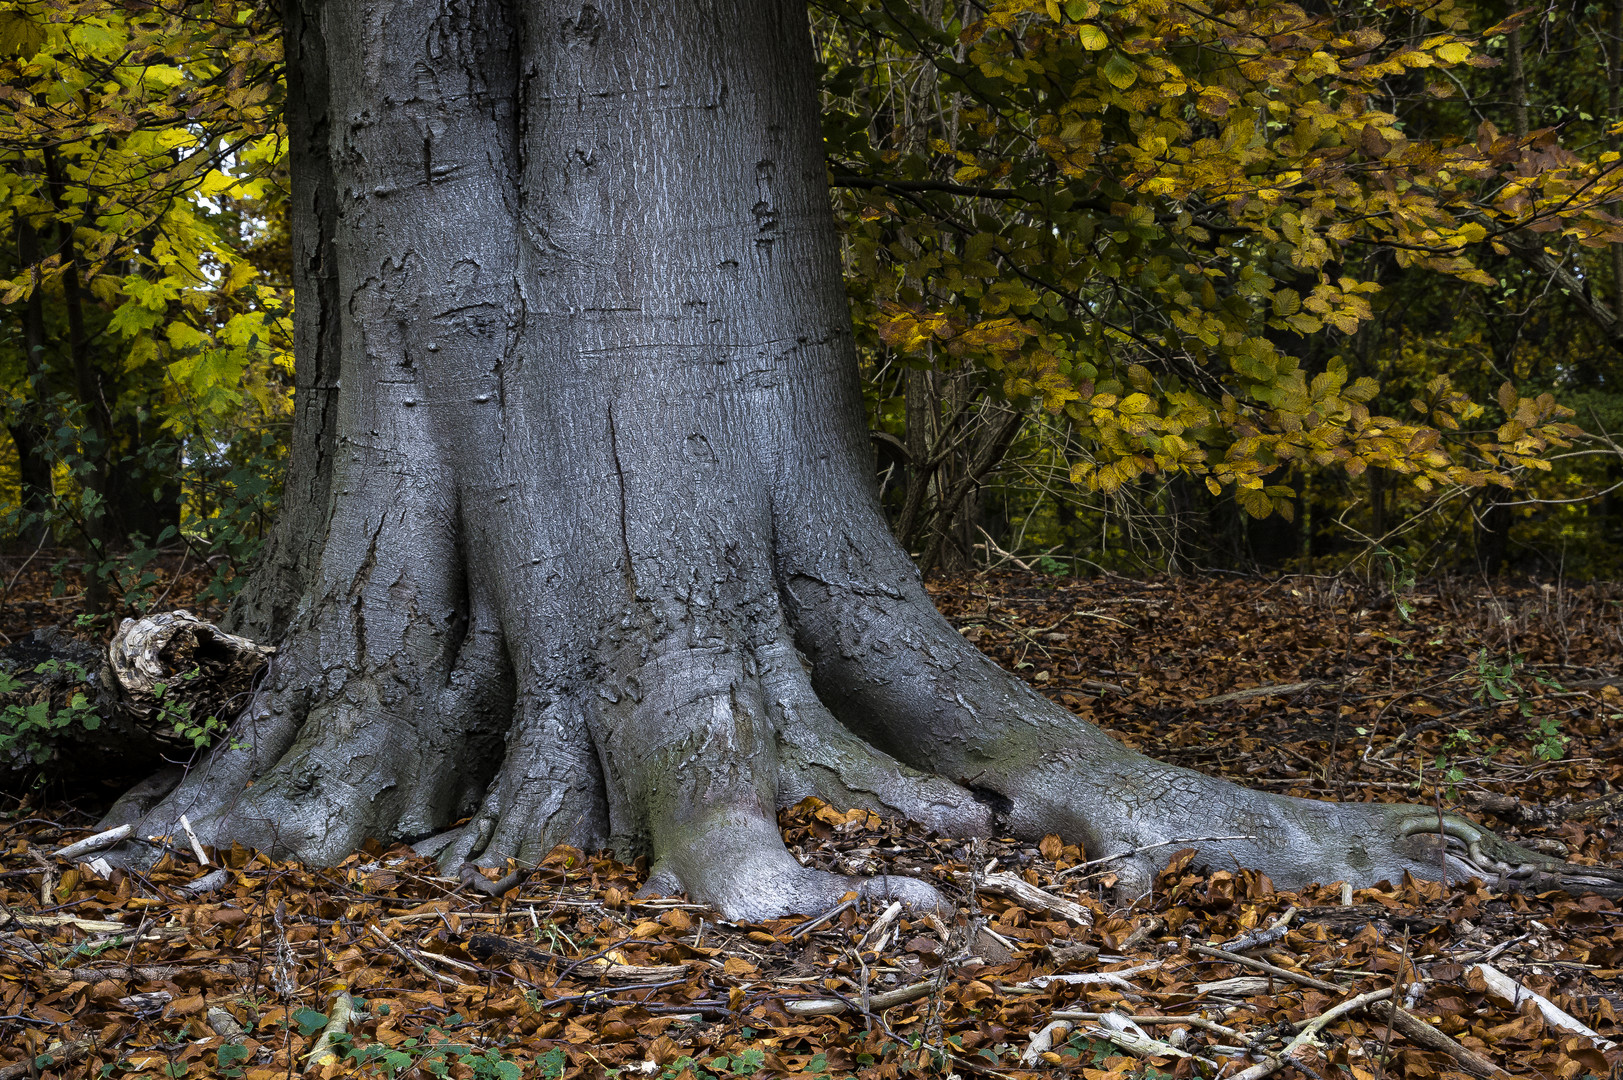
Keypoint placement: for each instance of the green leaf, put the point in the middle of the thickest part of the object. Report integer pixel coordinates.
(93, 37)
(20, 36)
(232, 1053)
(1120, 72)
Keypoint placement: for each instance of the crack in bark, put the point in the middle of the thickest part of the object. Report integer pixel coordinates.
(628, 571)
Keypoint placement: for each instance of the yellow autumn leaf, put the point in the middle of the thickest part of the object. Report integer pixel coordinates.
(1092, 38)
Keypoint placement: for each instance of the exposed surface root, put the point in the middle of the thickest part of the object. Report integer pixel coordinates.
(793, 979)
(716, 739)
(377, 718)
(741, 867)
(599, 468)
(817, 756)
(900, 674)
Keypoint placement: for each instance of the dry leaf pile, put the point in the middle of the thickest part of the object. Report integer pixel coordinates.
(569, 974)
(1503, 701)
(381, 967)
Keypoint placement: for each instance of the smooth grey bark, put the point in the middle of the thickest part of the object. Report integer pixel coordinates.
(584, 539)
(265, 610)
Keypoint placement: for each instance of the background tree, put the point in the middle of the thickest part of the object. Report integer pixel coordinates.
(1267, 183)
(146, 366)
(928, 134)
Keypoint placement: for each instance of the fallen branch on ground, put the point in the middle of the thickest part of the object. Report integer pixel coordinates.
(99, 842)
(876, 1002)
(398, 949)
(1513, 993)
(1405, 1023)
(1271, 969)
(343, 1012)
(1142, 933)
(191, 837)
(1256, 939)
(9, 917)
(1004, 883)
(55, 1056)
(1270, 690)
(1305, 1037)
(831, 913)
(1118, 979)
(1042, 1042)
(1237, 986)
(60, 977)
(875, 936)
(1121, 1031)
(1423, 1034)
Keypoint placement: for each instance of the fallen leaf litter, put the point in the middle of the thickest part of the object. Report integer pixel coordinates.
(383, 965)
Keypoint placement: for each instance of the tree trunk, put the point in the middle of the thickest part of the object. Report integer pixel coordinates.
(27, 431)
(584, 534)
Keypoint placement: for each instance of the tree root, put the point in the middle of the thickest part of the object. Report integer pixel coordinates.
(550, 790)
(896, 671)
(376, 719)
(818, 757)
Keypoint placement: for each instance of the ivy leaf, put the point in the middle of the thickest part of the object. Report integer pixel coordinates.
(309, 1021)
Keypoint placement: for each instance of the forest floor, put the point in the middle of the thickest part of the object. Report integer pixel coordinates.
(1498, 701)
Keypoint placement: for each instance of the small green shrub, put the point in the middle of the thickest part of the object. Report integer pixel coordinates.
(33, 729)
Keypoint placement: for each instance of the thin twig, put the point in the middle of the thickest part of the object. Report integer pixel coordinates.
(808, 927)
(1305, 1036)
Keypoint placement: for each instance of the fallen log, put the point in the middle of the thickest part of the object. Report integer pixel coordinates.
(149, 693)
(173, 672)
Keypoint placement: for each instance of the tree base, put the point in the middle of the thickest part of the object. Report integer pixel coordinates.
(1120, 805)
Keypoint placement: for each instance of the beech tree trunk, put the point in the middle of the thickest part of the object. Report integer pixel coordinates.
(581, 541)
